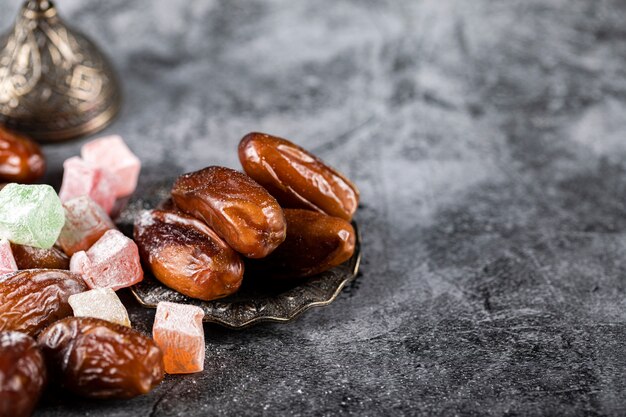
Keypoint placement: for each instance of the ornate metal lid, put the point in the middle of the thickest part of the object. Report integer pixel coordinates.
(54, 82)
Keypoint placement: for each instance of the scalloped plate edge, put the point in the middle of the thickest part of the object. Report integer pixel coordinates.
(355, 262)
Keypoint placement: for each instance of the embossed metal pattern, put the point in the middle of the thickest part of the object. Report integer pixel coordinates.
(258, 299)
(54, 83)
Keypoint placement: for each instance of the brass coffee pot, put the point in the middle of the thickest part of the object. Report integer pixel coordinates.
(54, 82)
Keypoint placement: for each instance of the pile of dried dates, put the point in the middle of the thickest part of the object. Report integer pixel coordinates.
(40, 342)
(289, 217)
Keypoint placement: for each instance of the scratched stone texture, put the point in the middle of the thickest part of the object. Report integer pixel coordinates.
(488, 141)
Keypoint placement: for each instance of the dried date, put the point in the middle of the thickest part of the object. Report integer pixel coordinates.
(315, 243)
(186, 255)
(32, 299)
(98, 359)
(297, 178)
(21, 159)
(30, 257)
(22, 374)
(238, 209)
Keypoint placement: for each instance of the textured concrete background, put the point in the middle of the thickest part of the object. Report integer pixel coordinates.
(487, 138)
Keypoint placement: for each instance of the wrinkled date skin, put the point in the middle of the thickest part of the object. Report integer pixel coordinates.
(98, 359)
(22, 374)
(238, 209)
(29, 257)
(315, 243)
(186, 255)
(32, 299)
(21, 159)
(297, 178)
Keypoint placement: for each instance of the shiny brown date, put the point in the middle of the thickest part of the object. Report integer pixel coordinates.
(297, 178)
(30, 257)
(99, 359)
(186, 255)
(238, 209)
(32, 299)
(315, 243)
(21, 159)
(22, 374)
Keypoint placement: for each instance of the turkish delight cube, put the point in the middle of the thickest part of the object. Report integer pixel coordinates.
(101, 303)
(178, 331)
(81, 178)
(30, 215)
(112, 153)
(112, 262)
(85, 223)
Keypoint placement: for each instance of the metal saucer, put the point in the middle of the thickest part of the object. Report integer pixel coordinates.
(258, 300)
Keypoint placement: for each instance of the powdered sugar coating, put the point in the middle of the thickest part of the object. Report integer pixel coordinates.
(85, 223)
(83, 178)
(30, 215)
(112, 153)
(178, 331)
(112, 262)
(101, 303)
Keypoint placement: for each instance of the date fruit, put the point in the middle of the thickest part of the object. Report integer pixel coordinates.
(30, 257)
(98, 359)
(32, 299)
(21, 159)
(238, 209)
(315, 243)
(297, 178)
(22, 374)
(186, 255)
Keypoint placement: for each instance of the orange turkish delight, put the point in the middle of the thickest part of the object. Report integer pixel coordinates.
(179, 333)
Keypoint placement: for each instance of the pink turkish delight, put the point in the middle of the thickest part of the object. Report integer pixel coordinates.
(112, 154)
(178, 331)
(7, 261)
(85, 223)
(112, 262)
(81, 178)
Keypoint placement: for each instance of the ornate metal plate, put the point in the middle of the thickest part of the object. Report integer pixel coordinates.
(258, 299)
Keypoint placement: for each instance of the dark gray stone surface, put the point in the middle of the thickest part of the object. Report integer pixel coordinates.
(487, 138)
